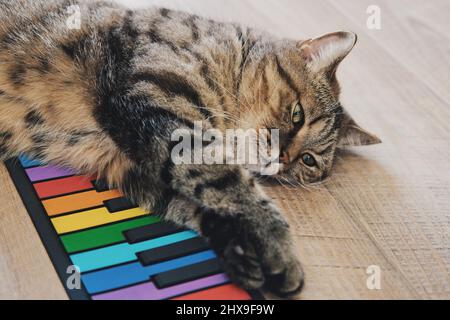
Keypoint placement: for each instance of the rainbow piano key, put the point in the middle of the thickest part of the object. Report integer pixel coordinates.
(121, 251)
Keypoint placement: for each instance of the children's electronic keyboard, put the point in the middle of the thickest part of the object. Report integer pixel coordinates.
(119, 250)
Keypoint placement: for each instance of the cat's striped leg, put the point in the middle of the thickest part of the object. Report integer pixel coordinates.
(240, 222)
(242, 225)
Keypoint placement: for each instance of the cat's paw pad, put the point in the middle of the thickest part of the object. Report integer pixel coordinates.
(287, 283)
(272, 267)
(256, 253)
(243, 267)
(282, 271)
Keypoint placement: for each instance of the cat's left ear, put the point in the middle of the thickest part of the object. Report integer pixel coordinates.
(326, 52)
(351, 134)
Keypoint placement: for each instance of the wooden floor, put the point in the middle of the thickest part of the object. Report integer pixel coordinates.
(387, 205)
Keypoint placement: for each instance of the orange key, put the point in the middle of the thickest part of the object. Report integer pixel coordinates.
(78, 201)
(228, 292)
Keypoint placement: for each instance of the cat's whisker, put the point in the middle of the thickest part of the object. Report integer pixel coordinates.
(222, 113)
(227, 116)
(290, 182)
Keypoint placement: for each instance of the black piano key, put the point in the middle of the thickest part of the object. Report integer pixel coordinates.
(100, 185)
(188, 273)
(172, 251)
(118, 204)
(151, 231)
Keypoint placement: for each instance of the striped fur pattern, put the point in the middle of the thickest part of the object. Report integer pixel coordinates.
(105, 99)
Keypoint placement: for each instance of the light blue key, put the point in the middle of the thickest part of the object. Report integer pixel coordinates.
(123, 252)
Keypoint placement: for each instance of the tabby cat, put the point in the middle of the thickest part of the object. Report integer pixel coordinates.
(104, 98)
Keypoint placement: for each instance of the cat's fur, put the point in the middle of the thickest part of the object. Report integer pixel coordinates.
(105, 99)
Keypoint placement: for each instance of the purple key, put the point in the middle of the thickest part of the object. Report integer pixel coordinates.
(47, 172)
(148, 291)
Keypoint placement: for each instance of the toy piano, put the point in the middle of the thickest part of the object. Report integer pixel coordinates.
(121, 251)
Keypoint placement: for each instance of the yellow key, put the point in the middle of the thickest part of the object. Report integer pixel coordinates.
(92, 218)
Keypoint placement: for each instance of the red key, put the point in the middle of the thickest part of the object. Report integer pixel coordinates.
(62, 186)
(228, 292)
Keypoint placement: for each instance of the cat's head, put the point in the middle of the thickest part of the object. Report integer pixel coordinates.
(292, 86)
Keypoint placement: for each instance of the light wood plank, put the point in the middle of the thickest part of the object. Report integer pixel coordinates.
(414, 33)
(25, 269)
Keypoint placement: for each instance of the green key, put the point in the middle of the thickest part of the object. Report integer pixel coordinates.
(103, 236)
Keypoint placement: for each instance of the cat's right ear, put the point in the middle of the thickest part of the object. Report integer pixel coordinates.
(326, 52)
(351, 134)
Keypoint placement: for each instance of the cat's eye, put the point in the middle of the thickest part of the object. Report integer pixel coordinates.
(309, 160)
(297, 114)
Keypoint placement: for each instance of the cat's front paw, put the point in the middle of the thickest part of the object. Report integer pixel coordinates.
(256, 249)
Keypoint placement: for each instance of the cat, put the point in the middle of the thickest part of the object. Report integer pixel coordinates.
(104, 98)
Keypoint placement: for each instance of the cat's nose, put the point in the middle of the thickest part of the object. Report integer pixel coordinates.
(319, 179)
(324, 175)
(284, 157)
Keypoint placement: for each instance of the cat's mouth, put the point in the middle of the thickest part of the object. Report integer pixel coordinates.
(287, 177)
(284, 157)
(276, 167)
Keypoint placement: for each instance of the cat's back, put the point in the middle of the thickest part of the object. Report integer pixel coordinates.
(55, 50)
(77, 54)
(94, 34)
(24, 20)
(63, 83)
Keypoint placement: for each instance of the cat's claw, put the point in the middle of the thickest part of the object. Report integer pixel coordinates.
(257, 252)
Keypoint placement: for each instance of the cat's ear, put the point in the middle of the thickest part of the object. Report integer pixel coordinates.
(352, 134)
(326, 52)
